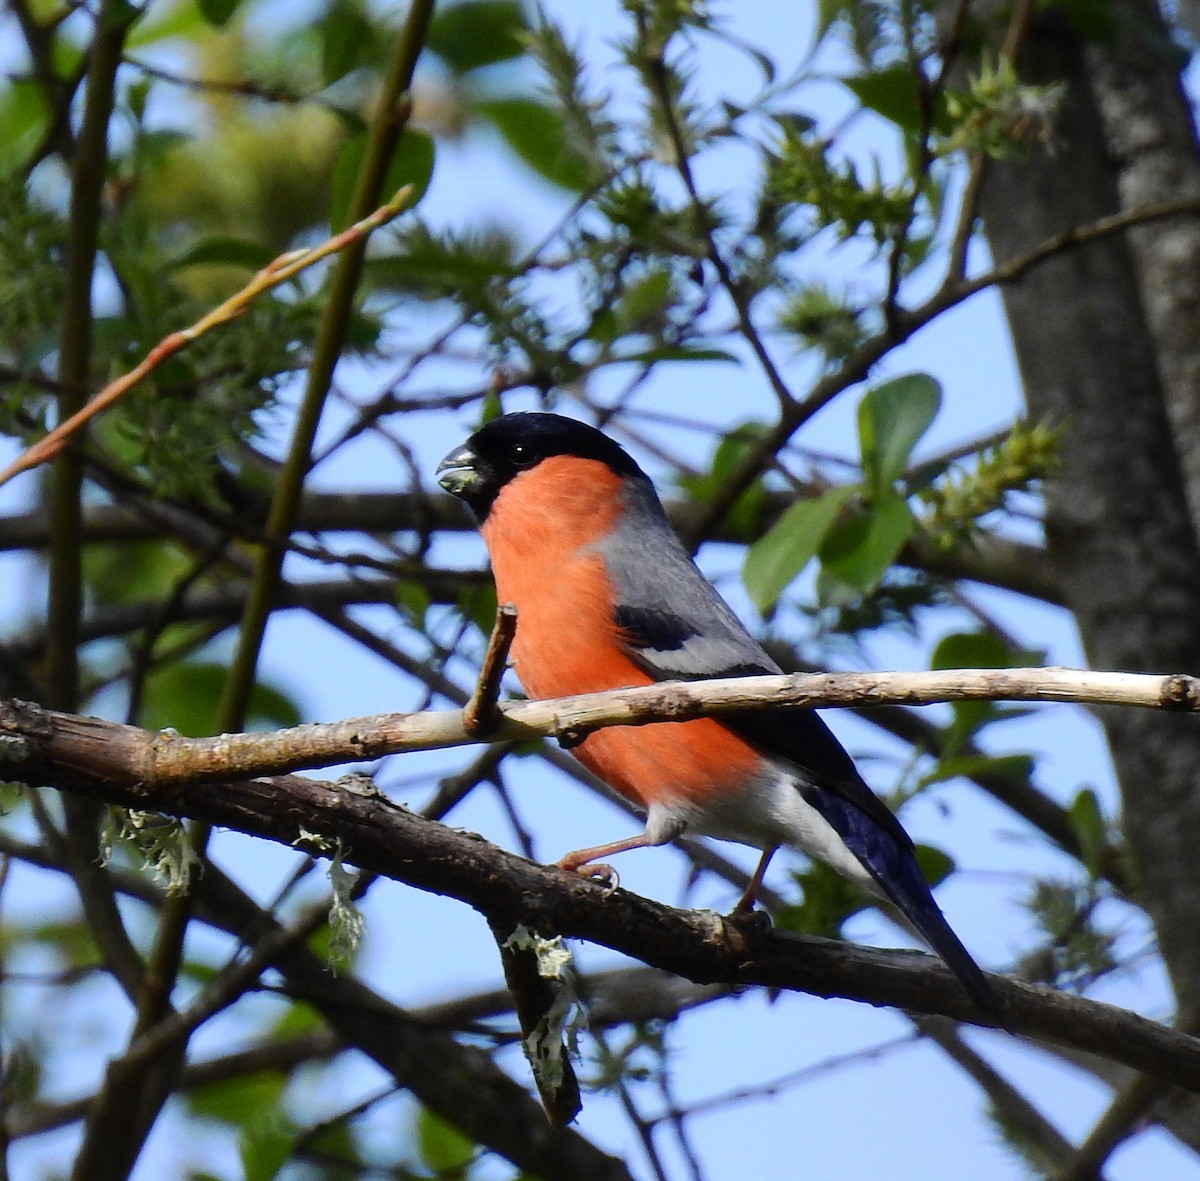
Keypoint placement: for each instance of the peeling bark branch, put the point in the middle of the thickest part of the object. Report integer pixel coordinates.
(382, 837)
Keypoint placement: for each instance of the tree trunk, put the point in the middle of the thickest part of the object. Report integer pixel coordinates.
(1088, 336)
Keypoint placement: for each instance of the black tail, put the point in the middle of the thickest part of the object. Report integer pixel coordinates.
(884, 848)
(907, 888)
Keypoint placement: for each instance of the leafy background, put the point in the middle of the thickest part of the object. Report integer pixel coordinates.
(555, 258)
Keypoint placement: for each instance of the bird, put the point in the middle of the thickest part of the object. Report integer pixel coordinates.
(607, 597)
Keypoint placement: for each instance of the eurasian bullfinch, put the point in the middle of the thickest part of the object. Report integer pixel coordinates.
(606, 598)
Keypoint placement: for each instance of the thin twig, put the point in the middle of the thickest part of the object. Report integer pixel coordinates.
(243, 87)
(1014, 38)
(611, 1064)
(277, 1055)
(857, 367)
(657, 70)
(481, 714)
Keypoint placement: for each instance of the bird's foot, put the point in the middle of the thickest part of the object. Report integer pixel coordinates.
(601, 874)
(746, 916)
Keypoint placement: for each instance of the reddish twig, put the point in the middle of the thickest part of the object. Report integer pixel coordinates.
(285, 267)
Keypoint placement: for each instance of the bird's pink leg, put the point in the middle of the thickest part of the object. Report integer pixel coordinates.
(745, 903)
(660, 828)
(581, 858)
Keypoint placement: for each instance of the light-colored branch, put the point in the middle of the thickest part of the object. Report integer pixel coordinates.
(163, 759)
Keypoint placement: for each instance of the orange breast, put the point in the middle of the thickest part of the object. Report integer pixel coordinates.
(540, 534)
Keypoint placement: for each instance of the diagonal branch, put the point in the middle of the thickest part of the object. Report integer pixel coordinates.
(501, 1115)
(858, 366)
(1010, 1108)
(387, 839)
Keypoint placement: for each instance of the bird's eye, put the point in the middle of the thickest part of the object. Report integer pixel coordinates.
(522, 455)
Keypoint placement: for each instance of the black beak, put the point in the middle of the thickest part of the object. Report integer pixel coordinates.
(457, 472)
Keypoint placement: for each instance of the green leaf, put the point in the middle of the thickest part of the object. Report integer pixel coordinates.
(744, 515)
(859, 552)
(132, 573)
(294, 1020)
(137, 96)
(833, 592)
(676, 352)
(1087, 822)
(477, 33)
(166, 22)
(70, 941)
(477, 603)
(789, 545)
(829, 900)
(184, 697)
(221, 250)
(346, 41)
(539, 137)
(969, 718)
(265, 1147)
(971, 650)
(645, 299)
(891, 420)
(935, 864)
(239, 1100)
(891, 92)
(411, 164)
(444, 1150)
(218, 12)
(23, 117)
(412, 597)
(1016, 767)
(435, 271)
(336, 1142)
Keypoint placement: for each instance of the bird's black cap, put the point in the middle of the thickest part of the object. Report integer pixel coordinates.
(515, 443)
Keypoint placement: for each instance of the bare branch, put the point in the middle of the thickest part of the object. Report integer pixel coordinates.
(501, 1116)
(987, 558)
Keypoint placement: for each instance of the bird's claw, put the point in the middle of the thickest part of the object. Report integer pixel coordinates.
(750, 918)
(601, 874)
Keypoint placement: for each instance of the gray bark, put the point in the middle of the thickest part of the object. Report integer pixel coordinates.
(1151, 138)
(1118, 524)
